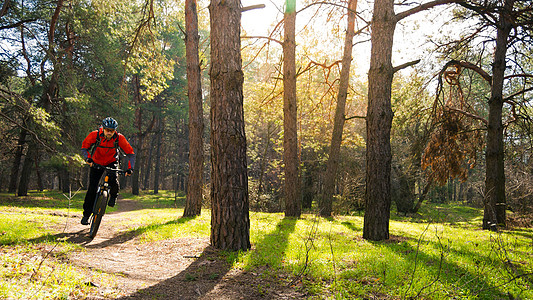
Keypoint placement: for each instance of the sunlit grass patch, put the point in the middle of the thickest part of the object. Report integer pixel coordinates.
(420, 260)
(163, 199)
(439, 253)
(45, 199)
(18, 226)
(160, 224)
(453, 214)
(25, 274)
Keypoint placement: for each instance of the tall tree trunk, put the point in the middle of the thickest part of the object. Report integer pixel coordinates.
(378, 124)
(23, 133)
(230, 221)
(65, 180)
(338, 125)
(379, 117)
(40, 184)
(307, 188)
(51, 91)
(49, 96)
(135, 178)
(13, 180)
(4, 8)
(26, 170)
(422, 196)
(193, 204)
(157, 171)
(147, 170)
(293, 205)
(264, 160)
(139, 158)
(495, 202)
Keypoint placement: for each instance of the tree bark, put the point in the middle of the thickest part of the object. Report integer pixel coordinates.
(139, 160)
(52, 90)
(338, 125)
(65, 180)
(307, 187)
(4, 8)
(422, 196)
(263, 161)
(147, 170)
(14, 177)
(293, 206)
(135, 178)
(159, 137)
(193, 204)
(40, 184)
(495, 203)
(378, 124)
(230, 221)
(26, 170)
(379, 116)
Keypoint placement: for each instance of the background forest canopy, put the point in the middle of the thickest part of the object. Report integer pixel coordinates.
(66, 65)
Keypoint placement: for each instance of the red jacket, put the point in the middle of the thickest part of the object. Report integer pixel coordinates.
(106, 153)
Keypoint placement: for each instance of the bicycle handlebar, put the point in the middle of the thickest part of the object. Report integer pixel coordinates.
(119, 171)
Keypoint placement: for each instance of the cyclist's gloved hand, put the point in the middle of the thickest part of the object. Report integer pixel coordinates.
(129, 172)
(89, 161)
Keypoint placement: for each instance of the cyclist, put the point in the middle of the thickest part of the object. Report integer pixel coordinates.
(101, 147)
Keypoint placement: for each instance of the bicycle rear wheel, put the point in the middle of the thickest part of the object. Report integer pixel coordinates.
(98, 213)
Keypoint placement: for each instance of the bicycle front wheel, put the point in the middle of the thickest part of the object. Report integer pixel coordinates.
(98, 213)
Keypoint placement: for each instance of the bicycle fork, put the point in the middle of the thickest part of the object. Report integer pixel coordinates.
(104, 191)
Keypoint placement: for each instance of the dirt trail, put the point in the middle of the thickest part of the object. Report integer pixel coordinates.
(185, 268)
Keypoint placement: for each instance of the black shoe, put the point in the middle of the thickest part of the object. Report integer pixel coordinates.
(112, 202)
(85, 220)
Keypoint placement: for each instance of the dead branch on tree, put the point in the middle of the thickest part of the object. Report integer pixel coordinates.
(455, 138)
(471, 115)
(422, 7)
(355, 117)
(405, 65)
(255, 6)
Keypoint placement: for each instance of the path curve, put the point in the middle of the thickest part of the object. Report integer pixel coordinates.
(182, 268)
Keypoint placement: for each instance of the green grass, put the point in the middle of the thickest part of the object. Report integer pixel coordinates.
(439, 253)
(19, 227)
(164, 199)
(24, 277)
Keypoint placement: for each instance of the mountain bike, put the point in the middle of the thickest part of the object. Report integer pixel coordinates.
(102, 198)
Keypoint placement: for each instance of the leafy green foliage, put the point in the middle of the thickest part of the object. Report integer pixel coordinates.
(99, 48)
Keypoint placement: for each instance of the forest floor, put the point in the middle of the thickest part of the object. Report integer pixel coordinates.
(143, 250)
(184, 268)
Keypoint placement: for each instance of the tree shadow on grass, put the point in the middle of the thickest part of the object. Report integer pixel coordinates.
(440, 268)
(449, 272)
(197, 280)
(270, 250)
(212, 276)
(353, 226)
(524, 232)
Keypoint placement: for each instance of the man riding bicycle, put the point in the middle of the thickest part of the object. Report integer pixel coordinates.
(100, 147)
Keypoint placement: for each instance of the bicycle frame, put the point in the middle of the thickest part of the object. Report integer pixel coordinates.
(102, 198)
